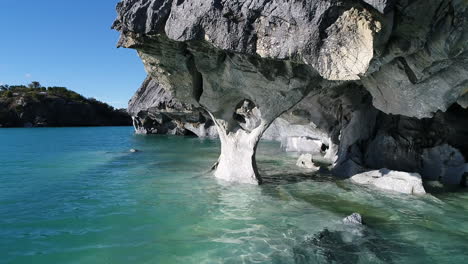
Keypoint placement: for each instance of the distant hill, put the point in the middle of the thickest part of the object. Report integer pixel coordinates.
(37, 106)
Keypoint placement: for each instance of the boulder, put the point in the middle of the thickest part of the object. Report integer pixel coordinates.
(397, 181)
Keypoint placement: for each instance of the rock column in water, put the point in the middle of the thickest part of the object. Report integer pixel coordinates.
(247, 62)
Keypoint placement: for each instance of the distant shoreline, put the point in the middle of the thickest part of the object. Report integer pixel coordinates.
(37, 106)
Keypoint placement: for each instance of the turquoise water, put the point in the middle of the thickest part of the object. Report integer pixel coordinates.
(76, 195)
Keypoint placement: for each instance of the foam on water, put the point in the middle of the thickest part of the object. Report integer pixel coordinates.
(77, 195)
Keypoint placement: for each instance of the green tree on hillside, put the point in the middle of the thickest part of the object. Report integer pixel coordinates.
(34, 85)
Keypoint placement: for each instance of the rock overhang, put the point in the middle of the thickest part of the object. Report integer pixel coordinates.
(336, 38)
(216, 54)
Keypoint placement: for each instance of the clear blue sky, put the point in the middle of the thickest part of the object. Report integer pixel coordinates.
(67, 43)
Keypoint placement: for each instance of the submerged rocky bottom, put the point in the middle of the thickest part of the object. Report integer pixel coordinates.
(77, 195)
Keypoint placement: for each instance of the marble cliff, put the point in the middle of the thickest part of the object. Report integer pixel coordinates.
(367, 84)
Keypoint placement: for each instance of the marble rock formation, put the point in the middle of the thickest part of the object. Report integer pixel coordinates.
(306, 161)
(350, 242)
(155, 111)
(343, 72)
(397, 181)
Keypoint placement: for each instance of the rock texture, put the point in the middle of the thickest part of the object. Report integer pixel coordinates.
(397, 181)
(155, 111)
(349, 76)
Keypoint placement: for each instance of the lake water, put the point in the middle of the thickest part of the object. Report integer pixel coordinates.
(77, 195)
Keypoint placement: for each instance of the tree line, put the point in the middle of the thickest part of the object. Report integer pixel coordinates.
(37, 91)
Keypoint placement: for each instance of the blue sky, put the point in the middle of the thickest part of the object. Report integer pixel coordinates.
(67, 43)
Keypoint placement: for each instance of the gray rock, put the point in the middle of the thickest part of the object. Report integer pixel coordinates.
(218, 56)
(354, 219)
(242, 64)
(397, 181)
(463, 101)
(155, 111)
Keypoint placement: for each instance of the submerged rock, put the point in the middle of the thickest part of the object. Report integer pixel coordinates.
(355, 219)
(350, 243)
(397, 181)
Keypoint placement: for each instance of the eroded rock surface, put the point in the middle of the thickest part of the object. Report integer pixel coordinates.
(155, 111)
(351, 75)
(397, 181)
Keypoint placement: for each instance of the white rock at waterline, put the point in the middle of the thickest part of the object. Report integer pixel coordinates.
(398, 181)
(354, 219)
(305, 161)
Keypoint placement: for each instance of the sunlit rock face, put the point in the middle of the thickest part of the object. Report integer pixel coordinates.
(244, 63)
(424, 67)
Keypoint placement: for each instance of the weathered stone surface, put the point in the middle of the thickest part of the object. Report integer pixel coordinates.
(245, 63)
(424, 67)
(380, 140)
(443, 163)
(434, 147)
(155, 111)
(341, 117)
(397, 181)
